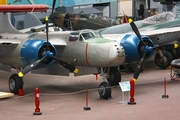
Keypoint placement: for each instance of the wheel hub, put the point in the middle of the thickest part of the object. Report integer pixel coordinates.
(12, 84)
(101, 90)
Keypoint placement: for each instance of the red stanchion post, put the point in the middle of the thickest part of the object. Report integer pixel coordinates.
(37, 102)
(96, 76)
(87, 107)
(131, 102)
(21, 92)
(165, 96)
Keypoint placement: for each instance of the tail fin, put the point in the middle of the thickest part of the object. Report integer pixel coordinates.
(6, 25)
(31, 20)
(3, 2)
(5, 22)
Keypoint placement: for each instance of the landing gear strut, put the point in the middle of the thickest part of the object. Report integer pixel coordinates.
(114, 77)
(15, 83)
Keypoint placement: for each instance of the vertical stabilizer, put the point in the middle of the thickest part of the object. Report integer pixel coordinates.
(31, 20)
(3, 2)
(5, 24)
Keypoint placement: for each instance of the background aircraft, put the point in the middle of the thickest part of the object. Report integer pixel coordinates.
(70, 21)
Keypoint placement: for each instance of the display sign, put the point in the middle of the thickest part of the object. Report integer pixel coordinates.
(125, 86)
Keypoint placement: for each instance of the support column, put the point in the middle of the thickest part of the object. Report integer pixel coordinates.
(119, 14)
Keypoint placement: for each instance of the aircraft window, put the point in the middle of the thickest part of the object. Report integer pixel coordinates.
(97, 34)
(87, 35)
(73, 37)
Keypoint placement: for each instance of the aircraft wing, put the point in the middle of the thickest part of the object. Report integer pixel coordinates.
(162, 20)
(10, 43)
(163, 36)
(159, 36)
(24, 8)
(57, 42)
(162, 31)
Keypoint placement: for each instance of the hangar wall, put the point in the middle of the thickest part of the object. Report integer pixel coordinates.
(113, 11)
(61, 2)
(67, 3)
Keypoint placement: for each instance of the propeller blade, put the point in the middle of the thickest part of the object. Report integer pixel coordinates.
(47, 31)
(30, 67)
(53, 6)
(135, 29)
(168, 46)
(68, 66)
(149, 8)
(139, 67)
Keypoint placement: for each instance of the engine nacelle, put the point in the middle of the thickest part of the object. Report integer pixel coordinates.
(133, 47)
(34, 49)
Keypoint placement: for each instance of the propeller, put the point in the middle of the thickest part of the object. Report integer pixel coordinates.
(146, 48)
(53, 6)
(47, 55)
(149, 3)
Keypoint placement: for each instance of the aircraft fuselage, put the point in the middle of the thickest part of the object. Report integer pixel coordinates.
(94, 52)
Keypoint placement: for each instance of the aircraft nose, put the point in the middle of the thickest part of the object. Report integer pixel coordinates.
(116, 54)
(105, 54)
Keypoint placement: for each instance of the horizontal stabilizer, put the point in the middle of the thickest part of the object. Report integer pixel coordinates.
(6, 95)
(24, 8)
(37, 28)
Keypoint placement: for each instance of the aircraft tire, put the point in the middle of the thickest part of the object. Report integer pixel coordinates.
(15, 83)
(114, 77)
(159, 61)
(104, 90)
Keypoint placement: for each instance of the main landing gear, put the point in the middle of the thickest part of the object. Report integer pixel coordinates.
(163, 59)
(15, 83)
(111, 77)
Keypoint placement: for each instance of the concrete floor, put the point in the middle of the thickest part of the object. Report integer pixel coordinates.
(63, 98)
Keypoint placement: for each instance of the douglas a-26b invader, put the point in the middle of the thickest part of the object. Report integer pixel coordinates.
(27, 52)
(43, 50)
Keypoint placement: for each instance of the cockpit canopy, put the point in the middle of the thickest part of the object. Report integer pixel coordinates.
(83, 35)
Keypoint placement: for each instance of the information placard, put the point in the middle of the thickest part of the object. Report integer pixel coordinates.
(125, 86)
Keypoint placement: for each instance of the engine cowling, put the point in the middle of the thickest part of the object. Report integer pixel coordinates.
(134, 48)
(34, 49)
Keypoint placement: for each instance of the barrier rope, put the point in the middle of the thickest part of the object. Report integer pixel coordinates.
(64, 94)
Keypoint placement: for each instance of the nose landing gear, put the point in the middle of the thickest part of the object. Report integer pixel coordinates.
(104, 90)
(111, 77)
